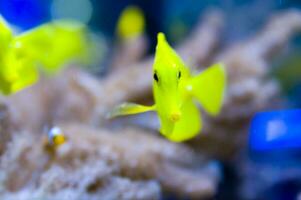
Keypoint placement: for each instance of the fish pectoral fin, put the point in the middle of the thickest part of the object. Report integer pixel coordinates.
(129, 109)
(208, 88)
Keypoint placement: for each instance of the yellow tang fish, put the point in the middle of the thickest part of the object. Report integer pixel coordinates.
(175, 90)
(48, 46)
(131, 23)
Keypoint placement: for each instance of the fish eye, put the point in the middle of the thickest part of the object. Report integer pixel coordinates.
(179, 75)
(156, 77)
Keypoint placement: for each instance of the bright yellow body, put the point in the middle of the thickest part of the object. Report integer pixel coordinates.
(175, 90)
(131, 23)
(48, 46)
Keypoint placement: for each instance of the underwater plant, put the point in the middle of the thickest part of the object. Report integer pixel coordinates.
(48, 46)
(175, 90)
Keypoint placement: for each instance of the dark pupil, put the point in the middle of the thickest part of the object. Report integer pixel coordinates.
(179, 75)
(156, 77)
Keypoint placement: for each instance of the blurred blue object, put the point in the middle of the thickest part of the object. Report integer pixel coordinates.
(25, 14)
(276, 130)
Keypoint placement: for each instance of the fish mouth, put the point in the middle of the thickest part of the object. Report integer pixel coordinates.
(174, 117)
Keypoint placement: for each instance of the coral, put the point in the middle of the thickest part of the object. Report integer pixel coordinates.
(204, 40)
(250, 89)
(101, 162)
(128, 52)
(6, 125)
(69, 97)
(92, 162)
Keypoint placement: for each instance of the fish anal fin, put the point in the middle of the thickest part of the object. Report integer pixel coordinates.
(189, 124)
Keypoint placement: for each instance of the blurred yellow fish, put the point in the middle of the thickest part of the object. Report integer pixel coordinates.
(131, 23)
(175, 90)
(48, 46)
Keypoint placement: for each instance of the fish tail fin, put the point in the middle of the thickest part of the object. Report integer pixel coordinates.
(129, 109)
(208, 88)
